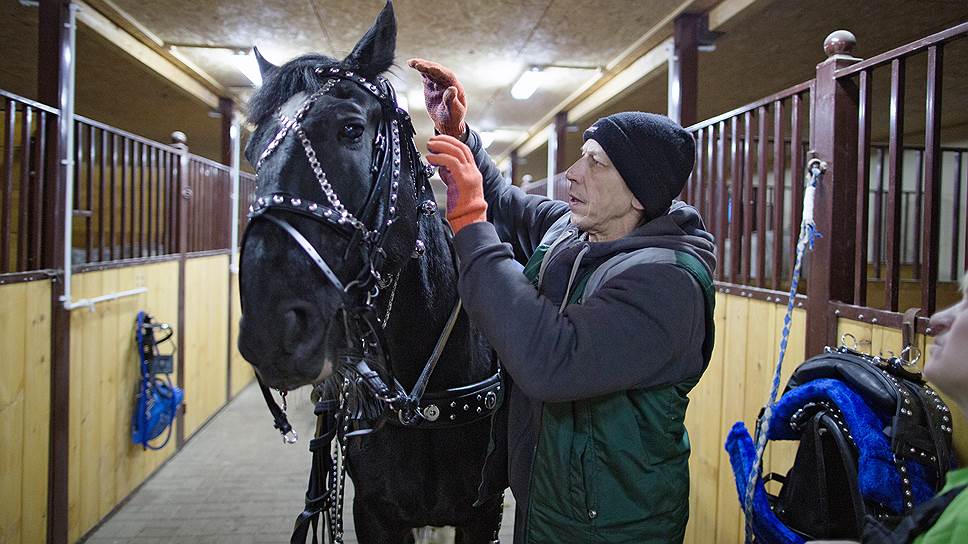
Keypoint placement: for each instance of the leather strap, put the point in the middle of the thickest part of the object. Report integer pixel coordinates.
(309, 249)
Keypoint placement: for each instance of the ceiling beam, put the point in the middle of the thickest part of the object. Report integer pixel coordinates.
(120, 29)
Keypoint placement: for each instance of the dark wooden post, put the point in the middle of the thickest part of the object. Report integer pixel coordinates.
(834, 141)
(226, 109)
(54, 67)
(183, 197)
(684, 69)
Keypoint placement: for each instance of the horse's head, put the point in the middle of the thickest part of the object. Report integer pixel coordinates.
(336, 204)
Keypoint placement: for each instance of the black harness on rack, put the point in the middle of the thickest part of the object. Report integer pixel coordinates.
(365, 365)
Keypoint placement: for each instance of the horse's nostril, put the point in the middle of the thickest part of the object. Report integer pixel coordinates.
(296, 319)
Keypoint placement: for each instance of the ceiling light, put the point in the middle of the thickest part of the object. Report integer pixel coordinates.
(402, 102)
(246, 63)
(527, 84)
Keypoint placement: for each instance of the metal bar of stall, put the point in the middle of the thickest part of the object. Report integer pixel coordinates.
(89, 197)
(709, 197)
(761, 196)
(112, 232)
(735, 203)
(932, 182)
(916, 243)
(7, 219)
(879, 215)
(863, 188)
(895, 166)
(747, 198)
(35, 259)
(101, 212)
(779, 193)
(23, 239)
(144, 198)
(693, 186)
(722, 195)
(796, 166)
(122, 227)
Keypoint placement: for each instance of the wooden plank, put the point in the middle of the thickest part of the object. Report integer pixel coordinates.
(782, 453)
(36, 433)
(705, 464)
(862, 333)
(729, 519)
(13, 306)
(130, 457)
(113, 428)
(89, 432)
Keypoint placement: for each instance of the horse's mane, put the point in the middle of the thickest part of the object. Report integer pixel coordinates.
(297, 75)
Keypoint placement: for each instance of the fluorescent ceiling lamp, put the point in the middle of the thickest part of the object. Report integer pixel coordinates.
(487, 138)
(246, 63)
(527, 84)
(402, 102)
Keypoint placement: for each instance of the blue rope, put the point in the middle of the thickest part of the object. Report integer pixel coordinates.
(808, 233)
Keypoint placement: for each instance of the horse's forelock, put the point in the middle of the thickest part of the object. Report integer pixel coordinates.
(297, 75)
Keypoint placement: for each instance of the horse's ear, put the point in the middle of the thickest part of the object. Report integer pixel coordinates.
(373, 55)
(265, 67)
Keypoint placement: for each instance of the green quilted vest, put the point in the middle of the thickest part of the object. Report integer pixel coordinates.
(615, 468)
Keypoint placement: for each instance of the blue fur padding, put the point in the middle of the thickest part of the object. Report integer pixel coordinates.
(767, 527)
(877, 476)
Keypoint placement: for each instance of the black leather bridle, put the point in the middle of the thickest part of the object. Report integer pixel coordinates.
(362, 327)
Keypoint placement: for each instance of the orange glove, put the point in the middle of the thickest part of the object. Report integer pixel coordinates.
(443, 95)
(465, 186)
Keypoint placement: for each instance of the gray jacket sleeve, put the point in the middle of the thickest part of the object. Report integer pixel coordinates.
(642, 328)
(520, 219)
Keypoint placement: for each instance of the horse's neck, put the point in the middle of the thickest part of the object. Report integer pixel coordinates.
(426, 294)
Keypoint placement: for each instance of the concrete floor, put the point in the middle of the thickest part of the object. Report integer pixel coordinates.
(236, 482)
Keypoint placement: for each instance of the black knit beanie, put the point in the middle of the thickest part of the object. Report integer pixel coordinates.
(653, 154)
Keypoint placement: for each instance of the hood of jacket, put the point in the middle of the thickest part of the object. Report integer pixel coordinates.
(680, 229)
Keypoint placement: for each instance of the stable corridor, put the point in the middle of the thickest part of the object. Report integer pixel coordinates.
(234, 482)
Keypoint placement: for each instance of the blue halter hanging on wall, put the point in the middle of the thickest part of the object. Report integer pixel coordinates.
(158, 400)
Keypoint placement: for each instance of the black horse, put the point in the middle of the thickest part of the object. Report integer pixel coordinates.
(325, 138)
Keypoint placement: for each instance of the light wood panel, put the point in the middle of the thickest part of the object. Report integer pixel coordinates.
(104, 466)
(242, 373)
(734, 388)
(24, 410)
(206, 346)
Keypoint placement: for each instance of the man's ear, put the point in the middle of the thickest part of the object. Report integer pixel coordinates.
(637, 205)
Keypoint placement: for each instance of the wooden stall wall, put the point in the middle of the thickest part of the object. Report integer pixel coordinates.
(104, 466)
(241, 371)
(876, 339)
(24, 410)
(206, 339)
(734, 388)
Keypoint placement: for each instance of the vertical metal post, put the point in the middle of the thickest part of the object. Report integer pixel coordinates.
(183, 195)
(557, 134)
(684, 69)
(835, 141)
(55, 68)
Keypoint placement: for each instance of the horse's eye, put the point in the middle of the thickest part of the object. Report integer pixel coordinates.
(351, 131)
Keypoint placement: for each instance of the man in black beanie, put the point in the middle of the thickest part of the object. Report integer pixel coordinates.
(601, 312)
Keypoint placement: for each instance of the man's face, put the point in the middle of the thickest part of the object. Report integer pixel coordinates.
(597, 194)
(947, 367)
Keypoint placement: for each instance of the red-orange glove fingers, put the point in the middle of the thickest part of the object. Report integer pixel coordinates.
(453, 146)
